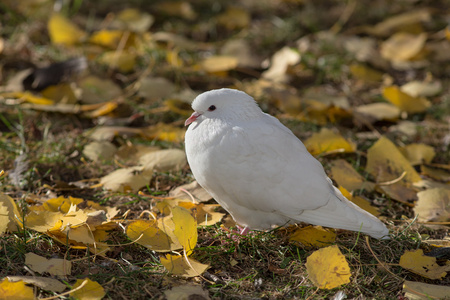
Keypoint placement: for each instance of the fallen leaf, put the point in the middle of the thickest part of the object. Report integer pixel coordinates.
(147, 234)
(107, 133)
(29, 97)
(234, 18)
(61, 93)
(219, 63)
(134, 20)
(45, 283)
(403, 46)
(63, 31)
(187, 291)
(130, 153)
(343, 173)
(178, 265)
(185, 228)
(379, 111)
(165, 132)
(181, 9)
(194, 189)
(385, 162)
(327, 268)
(15, 290)
(124, 61)
(418, 154)
(421, 88)
(279, 64)
(206, 214)
(164, 160)
(426, 266)
(327, 142)
(92, 290)
(127, 179)
(10, 214)
(437, 171)
(404, 101)
(155, 88)
(4, 218)
(315, 236)
(365, 73)
(99, 150)
(53, 266)
(98, 90)
(433, 205)
(397, 22)
(424, 291)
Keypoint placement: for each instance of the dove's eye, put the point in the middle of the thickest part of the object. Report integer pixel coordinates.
(211, 108)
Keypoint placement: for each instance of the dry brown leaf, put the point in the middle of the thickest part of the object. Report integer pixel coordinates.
(219, 63)
(403, 46)
(97, 90)
(344, 174)
(164, 160)
(134, 20)
(418, 154)
(315, 236)
(234, 18)
(328, 142)
(53, 266)
(327, 268)
(437, 171)
(407, 19)
(379, 111)
(194, 189)
(426, 266)
(187, 292)
(127, 179)
(433, 205)
(131, 153)
(155, 88)
(181, 9)
(107, 133)
(99, 150)
(280, 62)
(424, 291)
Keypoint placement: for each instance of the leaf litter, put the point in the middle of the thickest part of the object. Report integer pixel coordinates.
(147, 69)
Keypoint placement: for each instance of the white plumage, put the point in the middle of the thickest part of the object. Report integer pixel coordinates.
(260, 172)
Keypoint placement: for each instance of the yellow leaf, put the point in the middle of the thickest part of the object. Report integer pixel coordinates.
(418, 154)
(177, 8)
(365, 204)
(54, 266)
(11, 215)
(365, 73)
(164, 160)
(194, 189)
(124, 61)
(29, 97)
(90, 291)
(385, 162)
(207, 216)
(63, 31)
(185, 228)
(165, 132)
(344, 174)
(327, 142)
(327, 268)
(403, 46)
(315, 236)
(433, 205)
(179, 107)
(108, 38)
(404, 101)
(424, 291)
(437, 171)
(149, 235)
(103, 110)
(426, 266)
(178, 265)
(127, 179)
(234, 18)
(61, 93)
(15, 290)
(61, 204)
(45, 283)
(4, 218)
(219, 63)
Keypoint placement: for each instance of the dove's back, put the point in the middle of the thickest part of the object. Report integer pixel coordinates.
(262, 174)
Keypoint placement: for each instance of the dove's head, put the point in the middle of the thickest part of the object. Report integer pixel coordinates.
(224, 104)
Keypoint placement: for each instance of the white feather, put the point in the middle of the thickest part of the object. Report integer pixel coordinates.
(260, 172)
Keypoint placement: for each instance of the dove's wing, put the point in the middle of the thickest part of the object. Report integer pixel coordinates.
(261, 166)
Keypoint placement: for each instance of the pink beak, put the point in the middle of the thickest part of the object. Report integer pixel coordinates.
(192, 118)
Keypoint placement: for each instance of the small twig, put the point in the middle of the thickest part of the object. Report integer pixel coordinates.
(391, 182)
(380, 262)
(67, 293)
(190, 195)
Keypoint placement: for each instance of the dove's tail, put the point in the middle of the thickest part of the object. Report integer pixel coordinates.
(341, 213)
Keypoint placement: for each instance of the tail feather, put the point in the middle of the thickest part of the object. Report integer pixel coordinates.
(341, 213)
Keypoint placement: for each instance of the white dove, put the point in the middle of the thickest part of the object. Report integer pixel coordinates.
(260, 172)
